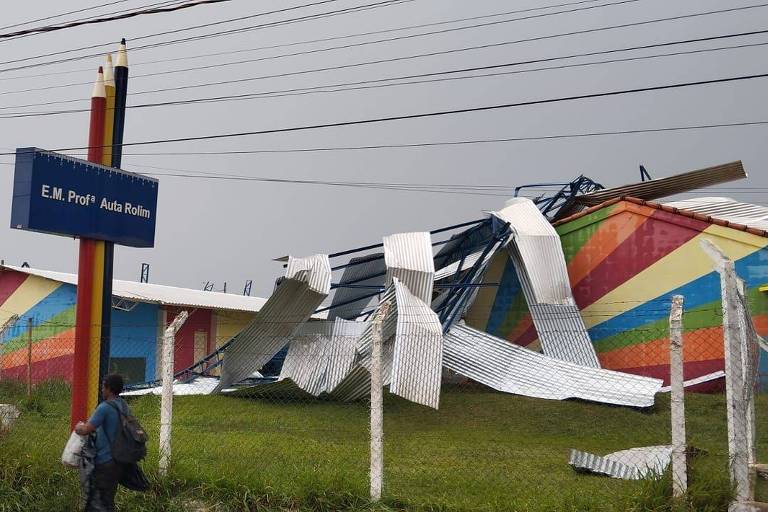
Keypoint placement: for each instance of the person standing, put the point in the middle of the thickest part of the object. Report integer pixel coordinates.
(104, 422)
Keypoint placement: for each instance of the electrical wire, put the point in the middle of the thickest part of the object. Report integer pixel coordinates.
(441, 113)
(61, 15)
(378, 61)
(638, 131)
(396, 80)
(326, 14)
(105, 19)
(309, 41)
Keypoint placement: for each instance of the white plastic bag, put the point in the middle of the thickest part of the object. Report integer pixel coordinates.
(71, 455)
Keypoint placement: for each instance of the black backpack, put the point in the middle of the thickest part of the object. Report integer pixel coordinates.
(130, 444)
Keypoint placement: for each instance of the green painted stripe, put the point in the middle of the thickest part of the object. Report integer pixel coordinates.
(517, 310)
(576, 237)
(586, 220)
(706, 315)
(53, 326)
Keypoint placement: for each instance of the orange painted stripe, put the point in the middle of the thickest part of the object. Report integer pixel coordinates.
(525, 323)
(62, 344)
(609, 235)
(699, 345)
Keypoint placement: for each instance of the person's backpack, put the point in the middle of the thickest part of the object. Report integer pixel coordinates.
(130, 443)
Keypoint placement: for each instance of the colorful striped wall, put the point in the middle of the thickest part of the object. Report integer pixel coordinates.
(51, 305)
(625, 261)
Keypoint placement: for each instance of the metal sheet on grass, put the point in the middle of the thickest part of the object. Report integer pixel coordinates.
(511, 368)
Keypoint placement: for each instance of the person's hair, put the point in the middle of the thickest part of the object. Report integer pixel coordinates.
(114, 383)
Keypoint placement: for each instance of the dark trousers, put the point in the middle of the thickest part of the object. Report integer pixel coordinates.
(105, 479)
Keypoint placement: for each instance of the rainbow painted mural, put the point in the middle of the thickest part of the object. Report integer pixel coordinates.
(50, 304)
(625, 262)
(51, 307)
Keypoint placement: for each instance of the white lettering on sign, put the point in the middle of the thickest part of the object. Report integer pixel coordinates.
(112, 206)
(82, 200)
(53, 193)
(137, 210)
(88, 200)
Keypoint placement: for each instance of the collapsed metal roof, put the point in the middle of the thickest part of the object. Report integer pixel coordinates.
(669, 186)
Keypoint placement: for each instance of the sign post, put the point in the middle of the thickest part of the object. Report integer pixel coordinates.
(59, 194)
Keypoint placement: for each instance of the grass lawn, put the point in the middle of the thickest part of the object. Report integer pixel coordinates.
(480, 451)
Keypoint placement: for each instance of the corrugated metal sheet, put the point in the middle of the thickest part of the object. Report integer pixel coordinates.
(671, 185)
(537, 254)
(510, 368)
(453, 268)
(321, 354)
(418, 350)
(307, 284)
(720, 374)
(632, 464)
(540, 251)
(363, 271)
(159, 294)
(408, 257)
(724, 208)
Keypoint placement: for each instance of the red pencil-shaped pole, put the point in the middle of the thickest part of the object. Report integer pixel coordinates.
(83, 320)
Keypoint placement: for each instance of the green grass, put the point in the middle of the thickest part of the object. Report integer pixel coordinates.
(481, 451)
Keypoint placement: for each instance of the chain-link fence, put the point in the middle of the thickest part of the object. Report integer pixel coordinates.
(500, 426)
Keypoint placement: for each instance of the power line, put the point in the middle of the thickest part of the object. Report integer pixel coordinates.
(442, 113)
(289, 21)
(60, 15)
(133, 14)
(310, 41)
(399, 80)
(393, 59)
(637, 131)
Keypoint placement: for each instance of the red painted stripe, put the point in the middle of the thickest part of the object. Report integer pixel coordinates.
(82, 332)
(49, 369)
(652, 241)
(690, 370)
(9, 283)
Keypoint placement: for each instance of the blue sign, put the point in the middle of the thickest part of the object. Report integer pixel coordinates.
(58, 194)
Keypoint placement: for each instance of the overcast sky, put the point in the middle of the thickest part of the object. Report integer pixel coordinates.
(219, 230)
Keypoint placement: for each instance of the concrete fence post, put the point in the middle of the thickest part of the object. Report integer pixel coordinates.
(166, 402)
(679, 469)
(29, 357)
(736, 403)
(377, 404)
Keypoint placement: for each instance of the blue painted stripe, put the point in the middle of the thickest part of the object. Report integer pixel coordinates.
(56, 302)
(752, 268)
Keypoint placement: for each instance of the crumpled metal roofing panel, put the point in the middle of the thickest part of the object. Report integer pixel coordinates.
(563, 334)
(408, 257)
(307, 284)
(511, 368)
(418, 350)
(725, 208)
(537, 254)
(368, 270)
(321, 353)
(540, 250)
(631, 464)
(671, 185)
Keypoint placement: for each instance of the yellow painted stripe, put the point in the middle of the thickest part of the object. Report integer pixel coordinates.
(683, 265)
(95, 328)
(478, 315)
(109, 125)
(26, 296)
